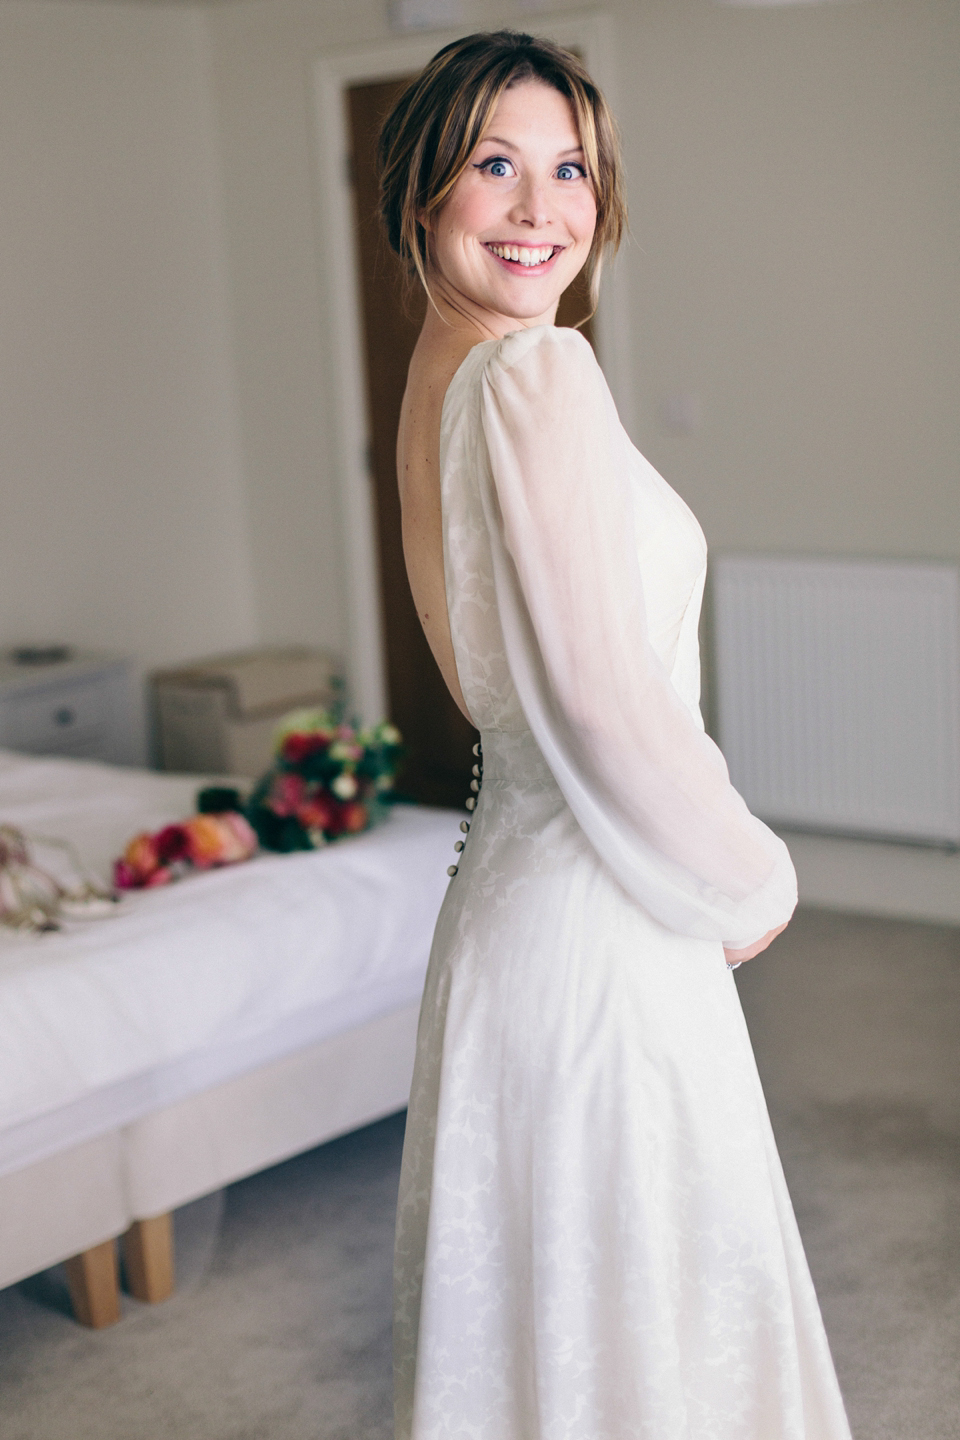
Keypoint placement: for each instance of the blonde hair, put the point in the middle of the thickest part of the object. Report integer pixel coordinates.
(427, 139)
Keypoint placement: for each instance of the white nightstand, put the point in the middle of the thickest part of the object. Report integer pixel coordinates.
(81, 707)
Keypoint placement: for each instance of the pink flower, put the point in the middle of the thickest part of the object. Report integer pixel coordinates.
(163, 876)
(244, 838)
(287, 794)
(124, 876)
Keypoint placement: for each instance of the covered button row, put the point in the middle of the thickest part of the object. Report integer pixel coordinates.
(475, 784)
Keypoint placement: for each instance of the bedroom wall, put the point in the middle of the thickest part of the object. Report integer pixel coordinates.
(122, 516)
(793, 173)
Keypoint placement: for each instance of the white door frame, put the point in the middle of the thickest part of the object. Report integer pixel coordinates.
(333, 73)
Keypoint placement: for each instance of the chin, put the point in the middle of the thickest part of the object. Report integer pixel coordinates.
(518, 307)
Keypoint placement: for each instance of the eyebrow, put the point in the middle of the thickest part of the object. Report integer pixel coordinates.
(509, 145)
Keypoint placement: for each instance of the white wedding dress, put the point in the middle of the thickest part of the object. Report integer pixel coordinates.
(594, 1241)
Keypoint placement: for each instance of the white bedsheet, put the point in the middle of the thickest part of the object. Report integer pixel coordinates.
(190, 984)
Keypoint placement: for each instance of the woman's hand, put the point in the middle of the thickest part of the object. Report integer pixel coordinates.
(736, 957)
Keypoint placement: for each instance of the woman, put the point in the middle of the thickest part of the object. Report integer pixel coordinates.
(594, 1237)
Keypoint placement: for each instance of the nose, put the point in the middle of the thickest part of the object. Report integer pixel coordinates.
(531, 204)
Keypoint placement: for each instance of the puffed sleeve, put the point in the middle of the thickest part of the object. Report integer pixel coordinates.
(649, 789)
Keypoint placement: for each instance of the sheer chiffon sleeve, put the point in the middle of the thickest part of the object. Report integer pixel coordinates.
(648, 787)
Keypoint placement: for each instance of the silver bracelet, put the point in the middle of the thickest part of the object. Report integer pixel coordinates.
(734, 964)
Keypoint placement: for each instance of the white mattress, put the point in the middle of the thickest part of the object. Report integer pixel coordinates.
(189, 985)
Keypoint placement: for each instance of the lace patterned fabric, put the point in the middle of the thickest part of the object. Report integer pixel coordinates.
(594, 1241)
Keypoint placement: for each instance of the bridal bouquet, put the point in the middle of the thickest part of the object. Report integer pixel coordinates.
(327, 779)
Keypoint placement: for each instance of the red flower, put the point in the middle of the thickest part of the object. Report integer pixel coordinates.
(287, 794)
(172, 843)
(354, 817)
(298, 746)
(319, 813)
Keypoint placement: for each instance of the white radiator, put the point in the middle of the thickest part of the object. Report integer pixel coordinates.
(838, 692)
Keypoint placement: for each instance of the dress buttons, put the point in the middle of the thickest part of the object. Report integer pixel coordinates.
(475, 784)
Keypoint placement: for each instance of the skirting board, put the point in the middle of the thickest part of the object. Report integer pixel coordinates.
(871, 877)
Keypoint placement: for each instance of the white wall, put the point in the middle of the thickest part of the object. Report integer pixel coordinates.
(793, 175)
(122, 516)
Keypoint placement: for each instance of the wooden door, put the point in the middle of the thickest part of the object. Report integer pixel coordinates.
(437, 738)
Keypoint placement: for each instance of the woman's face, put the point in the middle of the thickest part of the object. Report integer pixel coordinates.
(518, 224)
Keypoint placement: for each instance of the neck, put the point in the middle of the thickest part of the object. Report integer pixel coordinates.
(452, 310)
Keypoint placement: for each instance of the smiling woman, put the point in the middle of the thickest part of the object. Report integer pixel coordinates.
(594, 1241)
(519, 224)
(431, 136)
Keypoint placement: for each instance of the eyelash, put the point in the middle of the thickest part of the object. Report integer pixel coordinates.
(503, 160)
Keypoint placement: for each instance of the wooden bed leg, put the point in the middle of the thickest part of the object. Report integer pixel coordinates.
(92, 1282)
(148, 1258)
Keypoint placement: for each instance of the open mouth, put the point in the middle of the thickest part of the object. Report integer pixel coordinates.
(523, 257)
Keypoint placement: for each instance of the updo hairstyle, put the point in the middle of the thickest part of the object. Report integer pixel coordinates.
(427, 139)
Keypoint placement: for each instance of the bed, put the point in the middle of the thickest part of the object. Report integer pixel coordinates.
(203, 1031)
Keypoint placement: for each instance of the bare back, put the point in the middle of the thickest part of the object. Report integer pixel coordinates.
(438, 355)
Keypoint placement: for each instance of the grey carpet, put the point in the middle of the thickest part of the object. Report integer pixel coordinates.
(280, 1327)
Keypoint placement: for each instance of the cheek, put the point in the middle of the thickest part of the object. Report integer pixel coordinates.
(472, 208)
(582, 217)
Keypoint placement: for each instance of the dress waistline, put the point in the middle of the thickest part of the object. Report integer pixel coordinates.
(514, 755)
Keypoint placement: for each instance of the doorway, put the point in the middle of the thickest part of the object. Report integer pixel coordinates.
(438, 740)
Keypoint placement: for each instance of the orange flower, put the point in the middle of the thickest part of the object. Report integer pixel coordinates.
(219, 839)
(142, 858)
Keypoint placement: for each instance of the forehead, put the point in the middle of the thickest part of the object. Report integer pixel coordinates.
(532, 112)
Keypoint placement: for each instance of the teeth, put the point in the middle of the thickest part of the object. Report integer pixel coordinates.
(522, 254)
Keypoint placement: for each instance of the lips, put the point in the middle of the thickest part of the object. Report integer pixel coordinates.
(523, 257)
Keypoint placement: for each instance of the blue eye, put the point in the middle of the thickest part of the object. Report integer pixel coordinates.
(570, 172)
(498, 166)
